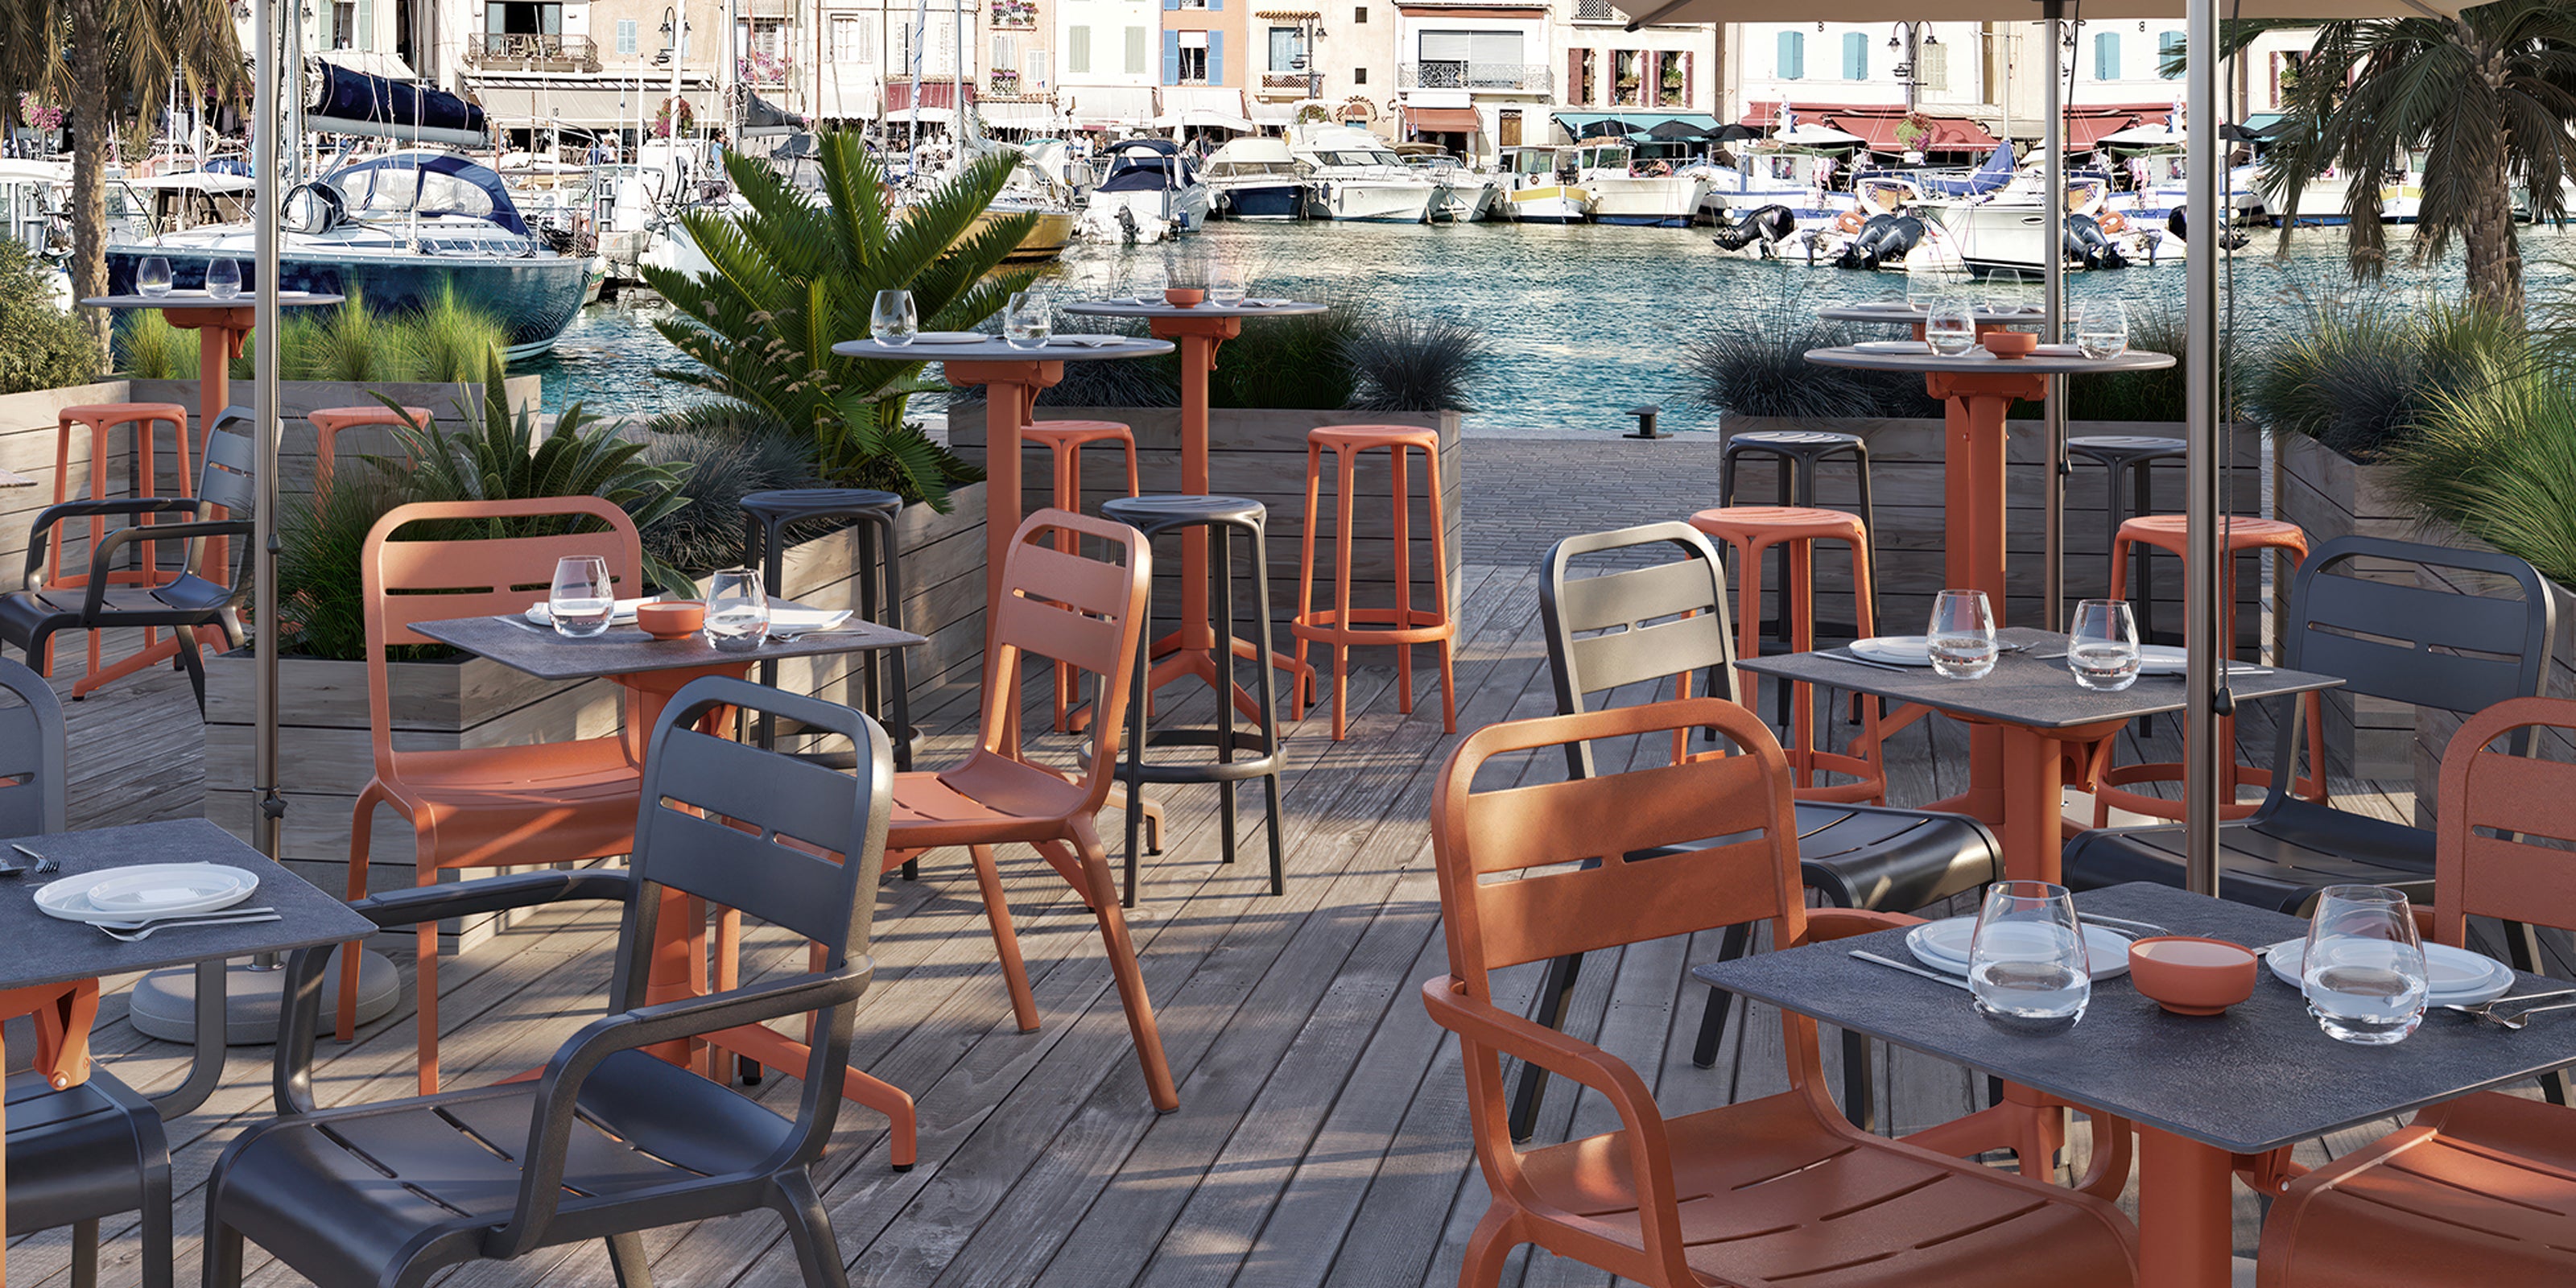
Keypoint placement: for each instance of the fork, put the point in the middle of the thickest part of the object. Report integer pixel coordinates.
(42, 867)
(2486, 1010)
(138, 936)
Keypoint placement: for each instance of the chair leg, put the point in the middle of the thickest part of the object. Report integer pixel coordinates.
(626, 1260)
(1124, 968)
(1712, 1023)
(362, 828)
(1555, 993)
(223, 1255)
(809, 1229)
(85, 1253)
(160, 1245)
(1006, 941)
(1487, 1250)
(427, 975)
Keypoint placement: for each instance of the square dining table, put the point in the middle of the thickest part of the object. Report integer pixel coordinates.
(2203, 1091)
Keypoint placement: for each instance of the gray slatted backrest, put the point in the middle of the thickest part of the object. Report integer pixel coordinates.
(1631, 624)
(32, 755)
(226, 478)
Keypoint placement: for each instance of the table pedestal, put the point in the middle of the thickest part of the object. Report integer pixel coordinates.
(1011, 390)
(2186, 1213)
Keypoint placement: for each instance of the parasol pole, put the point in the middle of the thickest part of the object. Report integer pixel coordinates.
(2052, 260)
(264, 167)
(2201, 643)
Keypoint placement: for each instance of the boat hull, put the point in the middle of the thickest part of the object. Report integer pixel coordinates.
(1046, 238)
(1554, 204)
(1263, 201)
(534, 297)
(1360, 201)
(1668, 202)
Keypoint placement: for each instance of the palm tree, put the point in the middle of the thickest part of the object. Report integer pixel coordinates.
(794, 276)
(108, 60)
(2486, 97)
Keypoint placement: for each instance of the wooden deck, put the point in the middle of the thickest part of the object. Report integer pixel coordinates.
(1321, 1136)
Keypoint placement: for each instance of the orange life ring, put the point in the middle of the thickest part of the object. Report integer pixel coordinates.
(1849, 221)
(2113, 222)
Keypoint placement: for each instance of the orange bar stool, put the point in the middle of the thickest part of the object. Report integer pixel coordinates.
(2243, 534)
(329, 421)
(1754, 531)
(99, 421)
(1064, 441)
(1403, 625)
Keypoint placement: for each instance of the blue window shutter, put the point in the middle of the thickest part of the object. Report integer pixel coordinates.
(1216, 4)
(2169, 45)
(1171, 58)
(1793, 55)
(1855, 56)
(365, 35)
(1216, 54)
(2106, 55)
(1171, 4)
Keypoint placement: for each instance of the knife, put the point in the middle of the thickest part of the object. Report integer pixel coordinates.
(1934, 976)
(1857, 660)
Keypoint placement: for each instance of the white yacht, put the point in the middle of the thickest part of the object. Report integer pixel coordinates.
(1254, 177)
(1543, 187)
(1148, 192)
(1353, 175)
(1467, 195)
(1657, 194)
(2016, 228)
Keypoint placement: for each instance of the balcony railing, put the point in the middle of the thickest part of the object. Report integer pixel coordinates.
(1528, 78)
(1596, 11)
(1286, 82)
(531, 52)
(1005, 82)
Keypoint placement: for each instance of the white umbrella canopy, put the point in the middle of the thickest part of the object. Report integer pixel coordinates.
(1664, 12)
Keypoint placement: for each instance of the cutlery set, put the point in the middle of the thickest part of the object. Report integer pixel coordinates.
(142, 928)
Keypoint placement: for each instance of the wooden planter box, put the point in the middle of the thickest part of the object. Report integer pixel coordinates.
(299, 398)
(1261, 454)
(324, 752)
(27, 424)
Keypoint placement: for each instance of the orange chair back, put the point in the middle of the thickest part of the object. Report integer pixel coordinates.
(1071, 608)
(2507, 824)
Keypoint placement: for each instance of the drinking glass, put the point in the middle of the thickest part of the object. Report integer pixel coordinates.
(1951, 329)
(1961, 637)
(152, 276)
(1227, 284)
(2102, 329)
(2102, 645)
(895, 320)
(737, 609)
(2364, 968)
(2004, 288)
(1027, 321)
(2028, 964)
(223, 278)
(583, 599)
(1147, 283)
(1925, 289)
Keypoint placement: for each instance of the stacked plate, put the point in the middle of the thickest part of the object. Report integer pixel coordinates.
(1899, 650)
(145, 892)
(1943, 946)
(2457, 977)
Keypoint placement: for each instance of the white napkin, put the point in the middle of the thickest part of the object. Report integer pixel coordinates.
(797, 621)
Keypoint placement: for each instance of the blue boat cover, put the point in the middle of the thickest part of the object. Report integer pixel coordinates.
(344, 95)
(433, 183)
(1994, 174)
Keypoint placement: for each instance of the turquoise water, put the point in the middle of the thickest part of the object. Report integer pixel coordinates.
(1585, 320)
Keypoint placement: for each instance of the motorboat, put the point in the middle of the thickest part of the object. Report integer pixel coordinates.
(1353, 175)
(1254, 177)
(1653, 193)
(1149, 191)
(396, 230)
(2017, 228)
(33, 195)
(1467, 194)
(1799, 180)
(1541, 187)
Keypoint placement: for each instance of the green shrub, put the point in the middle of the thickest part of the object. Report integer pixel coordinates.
(2496, 458)
(41, 346)
(149, 348)
(352, 343)
(448, 342)
(1757, 366)
(2362, 378)
(1298, 362)
(721, 459)
(319, 541)
(1408, 364)
(452, 341)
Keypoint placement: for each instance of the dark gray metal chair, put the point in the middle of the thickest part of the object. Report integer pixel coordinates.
(30, 617)
(1801, 454)
(1668, 619)
(610, 1141)
(96, 1149)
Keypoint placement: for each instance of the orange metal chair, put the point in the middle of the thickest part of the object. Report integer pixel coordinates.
(99, 421)
(1403, 626)
(1064, 441)
(1754, 531)
(330, 421)
(2480, 1191)
(2243, 533)
(493, 806)
(1775, 1190)
(1086, 613)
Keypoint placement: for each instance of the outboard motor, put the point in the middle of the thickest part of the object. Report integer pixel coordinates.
(2086, 241)
(2228, 238)
(1127, 224)
(1769, 225)
(1884, 239)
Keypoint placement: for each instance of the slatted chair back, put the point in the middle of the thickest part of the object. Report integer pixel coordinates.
(1631, 624)
(2505, 842)
(1069, 607)
(32, 755)
(226, 477)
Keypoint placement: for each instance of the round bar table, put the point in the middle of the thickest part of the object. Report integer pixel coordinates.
(1900, 313)
(1979, 389)
(1199, 330)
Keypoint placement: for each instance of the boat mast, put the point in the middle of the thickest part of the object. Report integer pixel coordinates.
(912, 128)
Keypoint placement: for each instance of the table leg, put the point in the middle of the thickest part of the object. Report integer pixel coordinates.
(680, 925)
(2185, 1216)
(215, 347)
(2033, 788)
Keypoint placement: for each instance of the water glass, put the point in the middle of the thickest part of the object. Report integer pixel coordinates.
(1227, 284)
(895, 320)
(152, 276)
(1951, 329)
(2004, 288)
(737, 609)
(1027, 321)
(583, 599)
(223, 278)
(2363, 971)
(1961, 637)
(2028, 963)
(2102, 329)
(2102, 645)
(1924, 290)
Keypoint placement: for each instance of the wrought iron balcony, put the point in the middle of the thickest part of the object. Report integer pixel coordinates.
(1527, 78)
(520, 51)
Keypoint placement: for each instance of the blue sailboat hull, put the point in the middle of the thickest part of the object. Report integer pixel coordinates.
(533, 297)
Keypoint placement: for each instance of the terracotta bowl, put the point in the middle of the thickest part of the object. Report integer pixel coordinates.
(1182, 297)
(671, 619)
(2009, 344)
(2192, 976)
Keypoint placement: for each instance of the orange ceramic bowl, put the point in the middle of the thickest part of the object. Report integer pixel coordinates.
(2192, 976)
(1182, 297)
(2009, 344)
(671, 619)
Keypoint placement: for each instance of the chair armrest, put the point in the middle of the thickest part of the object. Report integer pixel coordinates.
(40, 534)
(106, 550)
(1843, 923)
(300, 1018)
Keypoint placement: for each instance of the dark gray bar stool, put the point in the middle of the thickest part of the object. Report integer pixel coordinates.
(2137, 454)
(1224, 516)
(1801, 453)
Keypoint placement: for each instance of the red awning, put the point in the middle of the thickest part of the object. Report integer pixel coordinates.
(1879, 126)
(934, 93)
(1441, 120)
(2085, 126)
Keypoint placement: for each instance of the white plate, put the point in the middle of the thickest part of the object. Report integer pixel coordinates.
(621, 615)
(1943, 946)
(2458, 977)
(2159, 659)
(1903, 650)
(1893, 346)
(954, 337)
(2057, 351)
(797, 621)
(145, 890)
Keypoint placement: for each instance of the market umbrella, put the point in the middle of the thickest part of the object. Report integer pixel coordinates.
(1732, 132)
(1676, 132)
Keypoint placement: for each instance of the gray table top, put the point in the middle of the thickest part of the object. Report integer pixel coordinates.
(49, 950)
(2258, 1077)
(1142, 308)
(203, 300)
(2022, 689)
(522, 645)
(1979, 362)
(1899, 311)
(1058, 349)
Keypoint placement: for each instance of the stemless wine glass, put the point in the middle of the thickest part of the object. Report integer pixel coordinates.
(895, 320)
(1961, 637)
(2102, 645)
(1923, 289)
(1027, 321)
(2363, 970)
(2004, 290)
(1951, 329)
(583, 599)
(223, 278)
(737, 610)
(152, 276)
(2028, 964)
(2102, 329)
(1227, 283)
